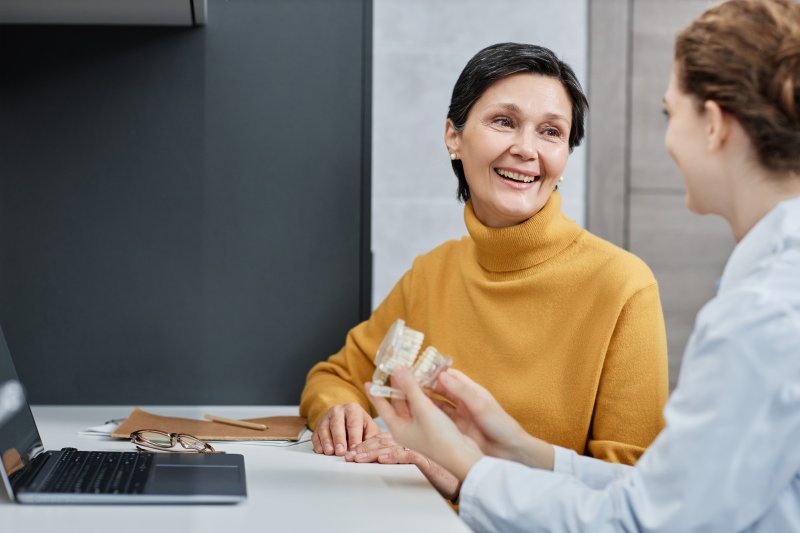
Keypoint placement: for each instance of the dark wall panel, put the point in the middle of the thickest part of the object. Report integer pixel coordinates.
(183, 211)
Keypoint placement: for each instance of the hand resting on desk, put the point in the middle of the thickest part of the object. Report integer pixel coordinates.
(341, 428)
(349, 427)
(383, 449)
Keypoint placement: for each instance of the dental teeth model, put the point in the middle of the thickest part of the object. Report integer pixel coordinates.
(429, 365)
(400, 347)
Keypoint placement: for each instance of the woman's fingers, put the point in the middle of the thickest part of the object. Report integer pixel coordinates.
(338, 430)
(315, 443)
(381, 448)
(323, 435)
(381, 440)
(397, 455)
(342, 427)
(354, 422)
(371, 428)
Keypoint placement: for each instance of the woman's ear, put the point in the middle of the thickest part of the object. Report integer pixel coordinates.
(452, 138)
(718, 126)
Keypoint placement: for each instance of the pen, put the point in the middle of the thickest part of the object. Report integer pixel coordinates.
(239, 423)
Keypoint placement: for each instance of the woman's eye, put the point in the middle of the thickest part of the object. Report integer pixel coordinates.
(552, 132)
(503, 121)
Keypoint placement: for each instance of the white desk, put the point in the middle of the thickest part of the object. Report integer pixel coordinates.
(289, 489)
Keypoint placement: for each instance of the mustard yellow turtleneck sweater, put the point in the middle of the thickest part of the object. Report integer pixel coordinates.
(562, 327)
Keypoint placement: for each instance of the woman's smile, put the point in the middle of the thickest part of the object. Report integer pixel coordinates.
(517, 177)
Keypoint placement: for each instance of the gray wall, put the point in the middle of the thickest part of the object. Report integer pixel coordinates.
(621, 184)
(420, 47)
(184, 212)
(636, 194)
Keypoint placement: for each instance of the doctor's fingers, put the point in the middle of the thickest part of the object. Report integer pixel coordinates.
(384, 408)
(462, 391)
(416, 399)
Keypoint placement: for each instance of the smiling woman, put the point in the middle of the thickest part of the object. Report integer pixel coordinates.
(513, 147)
(563, 328)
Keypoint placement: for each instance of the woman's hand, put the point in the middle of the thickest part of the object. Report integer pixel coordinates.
(418, 424)
(341, 428)
(478, 416)
(382, 448)
(385, 450)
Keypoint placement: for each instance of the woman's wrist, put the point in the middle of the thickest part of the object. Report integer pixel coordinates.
(441, 479)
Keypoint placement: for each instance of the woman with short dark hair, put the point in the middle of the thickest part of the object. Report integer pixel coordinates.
(497, 62)
(563, 327)
(728, 458)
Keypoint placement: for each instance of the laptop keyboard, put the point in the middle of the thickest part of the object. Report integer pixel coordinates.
(99, 472)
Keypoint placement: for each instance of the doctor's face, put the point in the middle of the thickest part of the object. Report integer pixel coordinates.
(686, 141)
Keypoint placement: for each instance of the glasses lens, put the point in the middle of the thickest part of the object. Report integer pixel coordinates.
(192, 443)
(156, 438)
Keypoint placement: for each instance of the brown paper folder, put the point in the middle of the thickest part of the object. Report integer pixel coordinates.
(278, 427)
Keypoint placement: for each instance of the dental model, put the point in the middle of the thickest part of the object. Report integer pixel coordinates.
(400, 347)
(429, 365)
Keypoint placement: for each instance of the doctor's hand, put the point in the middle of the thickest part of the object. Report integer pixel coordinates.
(477, 415)
(382, 448)
(341, 428)
(418, 424)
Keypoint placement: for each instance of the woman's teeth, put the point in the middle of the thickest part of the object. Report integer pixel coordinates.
(524, 178)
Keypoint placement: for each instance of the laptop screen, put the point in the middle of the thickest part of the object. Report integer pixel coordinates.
(19, 439)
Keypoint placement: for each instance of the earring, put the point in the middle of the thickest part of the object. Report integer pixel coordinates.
(561, 179)
(453, 156)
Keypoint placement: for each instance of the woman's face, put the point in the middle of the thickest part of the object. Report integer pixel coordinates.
(687, 141)
(514, 147)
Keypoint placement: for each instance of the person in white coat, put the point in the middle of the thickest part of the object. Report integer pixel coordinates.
(729, 456)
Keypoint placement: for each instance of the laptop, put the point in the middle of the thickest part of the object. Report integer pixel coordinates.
(33, 475)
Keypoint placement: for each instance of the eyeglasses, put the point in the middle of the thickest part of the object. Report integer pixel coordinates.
(163, 441)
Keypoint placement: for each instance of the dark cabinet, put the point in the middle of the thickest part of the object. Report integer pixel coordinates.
(184, 212)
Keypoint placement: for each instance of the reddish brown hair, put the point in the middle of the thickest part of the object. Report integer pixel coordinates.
(745, 56)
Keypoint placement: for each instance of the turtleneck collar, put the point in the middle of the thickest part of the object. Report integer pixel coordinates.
(534, 241)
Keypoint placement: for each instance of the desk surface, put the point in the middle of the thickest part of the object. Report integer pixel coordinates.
(289, 489)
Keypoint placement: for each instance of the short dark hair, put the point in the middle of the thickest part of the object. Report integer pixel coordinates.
(499, 61)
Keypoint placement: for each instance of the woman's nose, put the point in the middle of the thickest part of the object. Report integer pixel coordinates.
(525, 145)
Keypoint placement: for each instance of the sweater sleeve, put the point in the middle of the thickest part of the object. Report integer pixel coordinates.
(634, 383)
(341, 378)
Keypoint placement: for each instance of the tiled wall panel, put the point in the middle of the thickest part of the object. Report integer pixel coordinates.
(643, 207)
(419, 50)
